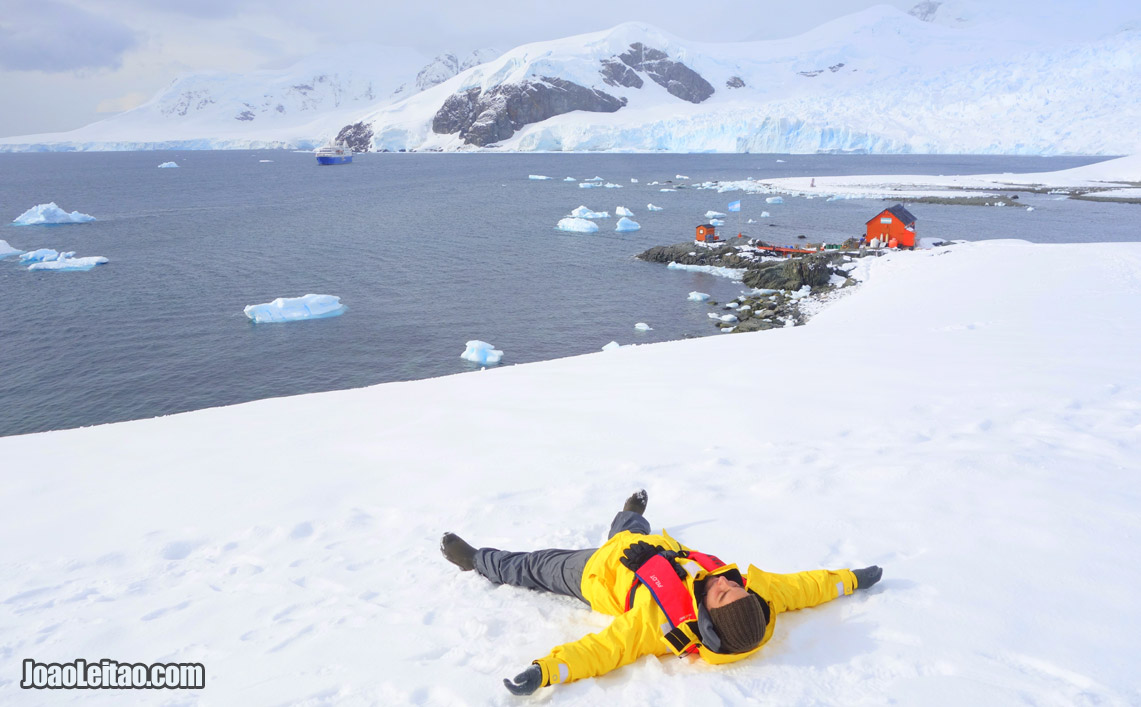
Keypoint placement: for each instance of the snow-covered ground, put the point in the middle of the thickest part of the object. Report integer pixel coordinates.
(968, 419)
(1098, 179)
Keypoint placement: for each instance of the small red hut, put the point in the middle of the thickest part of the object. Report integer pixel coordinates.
(706, 234)
(896, 224)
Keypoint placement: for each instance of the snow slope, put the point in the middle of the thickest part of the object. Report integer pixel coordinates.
(880, 80)
(954, 420)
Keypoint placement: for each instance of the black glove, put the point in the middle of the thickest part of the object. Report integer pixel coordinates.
(526, 682)
(640, 552)
(867, 576)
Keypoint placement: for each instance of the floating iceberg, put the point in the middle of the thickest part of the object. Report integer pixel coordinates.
(481, 352)
(583, 212)
(633, 180)
(651, 207)
(588, 185)
(7, 251)
(642, 326)
(716, 222)
(667, 190)
(292, 309)
(625, 224)
(65, 263)
(729, 318)
(714, 214)
(168, 165)
(698, 296)
(1028, 208)
(680, 176)
(265, 160)
(41, 255)
(623, 211)
(774, 200)
(537, 177)
(48, 214)
(765, 214)
(611, 185)
(570, 179)
(577, 225)
(595, 179)
(612, 346)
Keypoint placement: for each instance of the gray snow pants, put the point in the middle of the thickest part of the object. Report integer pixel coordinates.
(558, 571)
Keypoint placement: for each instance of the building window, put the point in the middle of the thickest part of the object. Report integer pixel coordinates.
(885, 219)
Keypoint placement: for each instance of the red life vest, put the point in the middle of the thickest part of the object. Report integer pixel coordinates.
(673, 596)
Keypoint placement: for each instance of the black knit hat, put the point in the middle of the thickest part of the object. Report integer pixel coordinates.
(740, 624)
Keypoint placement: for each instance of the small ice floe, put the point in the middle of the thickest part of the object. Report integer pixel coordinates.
(588, 185)
(625, 224)
(714, 214)
(729, 318)
(667, 190)
(1029, 208)
(583, 212)
(41, 255)
(265, 160)
(623, 211)
(612, 346)
(7, 251)
(633, 180)
(577, 225)
(570, 179)
(292, 309)
(698, 296)
(651, 207)
(774, 200)
(780, 160)
(680, 176)
(642, 326)
(482, 353)
(766, 214)
(594, 179)
(713, 315)
(168, 165)
(716, 222)
(732, 305)
(66, 263)
(728, 329)
(751, 221)
(611, 185)
(49, 214)
(538, 177)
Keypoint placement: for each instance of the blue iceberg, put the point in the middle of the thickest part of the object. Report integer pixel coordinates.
(49, 214)
(292, 309)
(625, 224)
(66, 263)
(7, 251)
(481, 352)
(168, 165)
(43, 255)
(577, 225)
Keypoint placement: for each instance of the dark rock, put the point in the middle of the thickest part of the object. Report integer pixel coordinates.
(357, 137)
(735, 82)
(792, 274)
(485, 118)
(674, 76)
(616, 73)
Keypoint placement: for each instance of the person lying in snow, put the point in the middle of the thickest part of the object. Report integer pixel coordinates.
(665, 597)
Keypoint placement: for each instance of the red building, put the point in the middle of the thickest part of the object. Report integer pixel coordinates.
(894, 227)
(706, 234)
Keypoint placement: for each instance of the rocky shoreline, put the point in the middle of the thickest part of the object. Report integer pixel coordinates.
(781, 286)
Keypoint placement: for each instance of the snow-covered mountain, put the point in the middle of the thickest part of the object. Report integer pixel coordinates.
(938, 79)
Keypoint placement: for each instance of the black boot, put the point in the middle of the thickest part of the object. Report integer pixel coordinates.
(458, 552)
(637, 502)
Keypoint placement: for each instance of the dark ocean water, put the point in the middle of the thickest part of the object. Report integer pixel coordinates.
(426, 250)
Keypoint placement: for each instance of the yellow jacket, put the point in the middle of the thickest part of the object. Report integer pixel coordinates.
(637, 632)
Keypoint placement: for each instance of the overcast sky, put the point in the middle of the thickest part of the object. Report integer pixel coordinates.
(67, 63)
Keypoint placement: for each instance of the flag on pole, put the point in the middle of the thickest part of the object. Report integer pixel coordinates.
(735, 205)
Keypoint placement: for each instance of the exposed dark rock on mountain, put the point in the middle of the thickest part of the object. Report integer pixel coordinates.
(484, 118)
(674, 76)
(358, 137)
(616, 73)
(735, 82)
